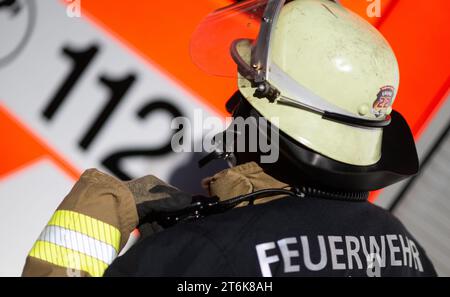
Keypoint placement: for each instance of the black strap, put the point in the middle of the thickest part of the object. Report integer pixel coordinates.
(205, 206)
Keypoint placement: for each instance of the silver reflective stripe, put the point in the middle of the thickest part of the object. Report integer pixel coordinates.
(79, 242)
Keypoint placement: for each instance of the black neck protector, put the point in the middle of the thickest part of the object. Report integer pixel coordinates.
(399, 160)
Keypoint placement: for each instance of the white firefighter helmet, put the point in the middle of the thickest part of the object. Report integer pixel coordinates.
(326, 74)
(314, 59)
(327, 58)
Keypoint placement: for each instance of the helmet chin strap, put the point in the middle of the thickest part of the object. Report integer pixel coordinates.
(217, 155)
(223, 150)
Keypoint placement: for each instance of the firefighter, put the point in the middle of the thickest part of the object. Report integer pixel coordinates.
(325, 80)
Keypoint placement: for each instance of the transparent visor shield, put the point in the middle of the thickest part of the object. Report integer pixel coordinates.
(214, 48)
(212, 40)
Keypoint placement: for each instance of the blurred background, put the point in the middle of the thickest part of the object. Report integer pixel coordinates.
(95, 83)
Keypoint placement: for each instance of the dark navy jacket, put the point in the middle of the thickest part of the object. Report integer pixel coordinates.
(286, 237)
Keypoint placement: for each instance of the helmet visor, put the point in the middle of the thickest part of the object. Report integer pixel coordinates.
(211, 42)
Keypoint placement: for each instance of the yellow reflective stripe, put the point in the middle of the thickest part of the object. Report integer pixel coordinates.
(86, 225)
(79, 242)
(68, 258)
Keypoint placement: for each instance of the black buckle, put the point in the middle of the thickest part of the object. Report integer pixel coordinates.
(201, 206)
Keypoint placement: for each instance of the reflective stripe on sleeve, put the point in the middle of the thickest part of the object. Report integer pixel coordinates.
(65, 257)
(86, 225)
(77, 241)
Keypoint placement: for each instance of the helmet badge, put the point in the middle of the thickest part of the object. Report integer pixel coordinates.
(383, 102)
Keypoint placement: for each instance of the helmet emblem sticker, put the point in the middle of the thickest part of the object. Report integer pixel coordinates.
(383, 101)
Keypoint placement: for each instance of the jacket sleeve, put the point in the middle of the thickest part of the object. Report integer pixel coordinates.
(87, 231)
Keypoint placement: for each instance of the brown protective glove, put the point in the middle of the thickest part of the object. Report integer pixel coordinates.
(152, 195)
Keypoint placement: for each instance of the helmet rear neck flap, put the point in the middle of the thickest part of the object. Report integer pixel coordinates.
(300, 166)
